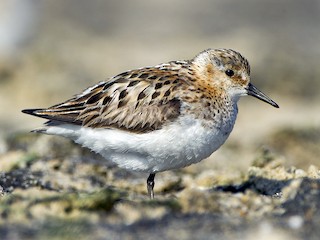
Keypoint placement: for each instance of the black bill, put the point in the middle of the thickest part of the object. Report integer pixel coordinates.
(255, 92)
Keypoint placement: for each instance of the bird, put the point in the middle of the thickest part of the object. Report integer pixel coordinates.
(157, 118)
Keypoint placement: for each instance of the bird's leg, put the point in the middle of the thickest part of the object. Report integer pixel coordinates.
(150, 185)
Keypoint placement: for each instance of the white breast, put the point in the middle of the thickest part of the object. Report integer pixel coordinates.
(177, 145)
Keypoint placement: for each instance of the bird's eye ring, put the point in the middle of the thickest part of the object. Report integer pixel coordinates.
(229, 72)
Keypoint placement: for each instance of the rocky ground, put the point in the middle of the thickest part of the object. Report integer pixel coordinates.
(53, 189)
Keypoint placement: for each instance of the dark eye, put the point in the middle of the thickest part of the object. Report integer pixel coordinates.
(229, 72)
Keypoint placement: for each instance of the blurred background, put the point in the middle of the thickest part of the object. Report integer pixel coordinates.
(51, 50)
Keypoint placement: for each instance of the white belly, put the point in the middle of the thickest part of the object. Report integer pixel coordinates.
(177, 145)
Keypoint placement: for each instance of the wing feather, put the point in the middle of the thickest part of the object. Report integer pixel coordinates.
(140, 100)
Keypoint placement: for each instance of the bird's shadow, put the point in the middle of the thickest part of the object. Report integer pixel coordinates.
(260, 185)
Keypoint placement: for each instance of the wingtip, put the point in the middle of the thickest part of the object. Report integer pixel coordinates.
(31, 111)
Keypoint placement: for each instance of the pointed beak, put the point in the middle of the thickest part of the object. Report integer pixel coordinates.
(255, 92)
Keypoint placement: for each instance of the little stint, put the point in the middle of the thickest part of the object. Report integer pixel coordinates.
(157, 118)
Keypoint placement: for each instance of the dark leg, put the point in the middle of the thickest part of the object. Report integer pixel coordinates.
(150, 185)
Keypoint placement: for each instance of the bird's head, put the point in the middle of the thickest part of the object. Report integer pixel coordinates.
(230, 71)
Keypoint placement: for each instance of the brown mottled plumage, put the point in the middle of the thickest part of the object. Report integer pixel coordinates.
(139, 100)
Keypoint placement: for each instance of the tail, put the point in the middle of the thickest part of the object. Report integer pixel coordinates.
(40, 112)
(35, 112)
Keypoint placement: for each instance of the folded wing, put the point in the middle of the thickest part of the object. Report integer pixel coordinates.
(140, 100)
